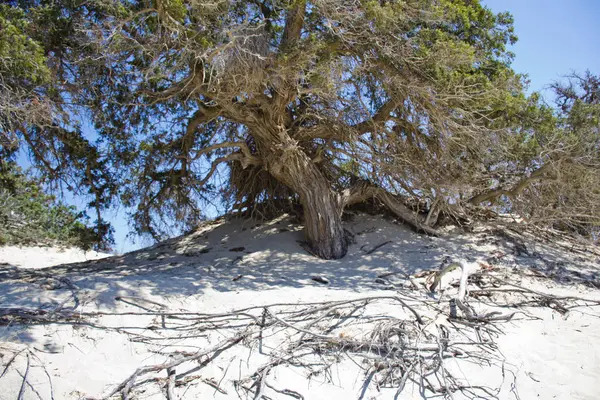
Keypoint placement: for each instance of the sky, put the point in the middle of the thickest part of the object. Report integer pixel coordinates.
(556, 37)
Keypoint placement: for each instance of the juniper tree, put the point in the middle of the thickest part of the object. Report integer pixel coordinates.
(38, 43)
(327, 104)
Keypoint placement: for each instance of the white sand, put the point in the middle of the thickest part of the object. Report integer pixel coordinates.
(555, 356)
(43, 257)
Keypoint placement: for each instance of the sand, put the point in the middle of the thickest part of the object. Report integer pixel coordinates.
(42, 257)
(542, 352)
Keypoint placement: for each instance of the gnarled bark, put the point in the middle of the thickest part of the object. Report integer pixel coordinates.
(289, 164)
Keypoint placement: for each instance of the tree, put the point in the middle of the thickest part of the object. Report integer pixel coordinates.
(289, 93)
(558, 184)
(30, 216)
(37, 41)
(327, 104)
(22, 68)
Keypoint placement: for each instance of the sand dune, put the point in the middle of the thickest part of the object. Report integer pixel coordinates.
(230, 306)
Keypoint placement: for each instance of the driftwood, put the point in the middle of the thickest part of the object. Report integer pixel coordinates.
(410, 348)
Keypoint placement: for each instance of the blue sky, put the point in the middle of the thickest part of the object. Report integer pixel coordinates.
(556, 37)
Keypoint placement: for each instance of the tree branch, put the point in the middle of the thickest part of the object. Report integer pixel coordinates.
(202, 115)
(266, 12)
(326, 131)
(380, 116)
(245, 161)
(319, 132)
(493, 194)
(363, 190)
(248, 157)
(294, 21)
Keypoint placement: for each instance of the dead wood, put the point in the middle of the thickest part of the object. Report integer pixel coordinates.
(393, 350)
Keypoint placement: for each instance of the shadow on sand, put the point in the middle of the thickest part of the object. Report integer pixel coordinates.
(246, 255)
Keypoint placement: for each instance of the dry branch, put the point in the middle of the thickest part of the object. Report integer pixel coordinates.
(393, 350)
(125, 387)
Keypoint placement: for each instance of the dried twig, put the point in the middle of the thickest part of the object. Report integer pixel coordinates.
(125, 387)
(24, 382)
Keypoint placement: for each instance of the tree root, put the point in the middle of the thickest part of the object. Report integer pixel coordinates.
(407, 346)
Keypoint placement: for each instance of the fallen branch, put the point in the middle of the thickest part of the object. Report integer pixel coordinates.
(316, 335)
(125, 387)
(24, 382)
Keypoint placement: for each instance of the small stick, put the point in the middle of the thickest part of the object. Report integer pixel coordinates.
(214, 385)
(374, 249)
(125, 386)
(47, 375)
(260, 384)
(287, 392)
(171, 374)
(403, 380)
(22, 390)
(440, 274)
(11, 361)
(260, 333)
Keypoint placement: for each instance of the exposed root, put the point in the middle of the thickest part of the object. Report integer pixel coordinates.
(27, 383)
(399, 340)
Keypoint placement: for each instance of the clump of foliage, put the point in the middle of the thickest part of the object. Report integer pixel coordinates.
(28, 215)
(37, 109)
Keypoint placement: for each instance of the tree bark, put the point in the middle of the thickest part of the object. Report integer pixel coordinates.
(322, 208)
(323, 223)
(288, 163)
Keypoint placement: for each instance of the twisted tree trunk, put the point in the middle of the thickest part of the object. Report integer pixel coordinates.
(285, 160)
(323, 222)
(323, 228)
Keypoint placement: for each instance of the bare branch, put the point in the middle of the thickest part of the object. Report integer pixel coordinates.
(293, 23)
(249, 159)
(380, 116)
(517, 189)
(362, 190)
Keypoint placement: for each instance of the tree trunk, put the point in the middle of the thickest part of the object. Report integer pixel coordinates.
(323, 207)
(287, 162)
(323, 223)
(323, 227)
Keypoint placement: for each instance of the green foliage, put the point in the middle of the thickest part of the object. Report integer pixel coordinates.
(38, 42)
(174, 9)
(29, 216)
(21, 57)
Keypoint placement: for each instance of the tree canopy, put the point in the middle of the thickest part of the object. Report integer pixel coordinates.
(261, 106)
(29, 216)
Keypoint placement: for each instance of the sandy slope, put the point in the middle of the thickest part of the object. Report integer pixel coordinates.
(544, 353)
(43, 257)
